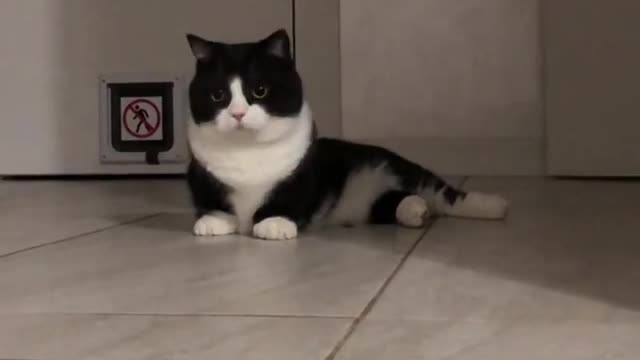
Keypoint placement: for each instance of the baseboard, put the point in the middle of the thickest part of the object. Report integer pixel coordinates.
(486, 156)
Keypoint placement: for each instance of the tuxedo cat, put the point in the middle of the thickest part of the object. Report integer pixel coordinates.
(258, 168)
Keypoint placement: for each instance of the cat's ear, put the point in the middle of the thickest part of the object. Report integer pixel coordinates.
(202, 49)
(278, 44)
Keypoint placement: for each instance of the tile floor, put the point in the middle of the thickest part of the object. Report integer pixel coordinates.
(109, 270)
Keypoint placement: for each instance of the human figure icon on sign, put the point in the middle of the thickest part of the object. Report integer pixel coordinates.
(142, 116)
(141, 119)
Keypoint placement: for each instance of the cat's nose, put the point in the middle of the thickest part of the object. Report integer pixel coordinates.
(238, 115)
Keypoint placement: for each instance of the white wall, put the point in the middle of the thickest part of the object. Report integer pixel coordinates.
(451, 84)
(54, 50)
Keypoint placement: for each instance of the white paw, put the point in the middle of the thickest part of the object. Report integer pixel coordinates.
(412, 211)
(217, 223)
(275, 228)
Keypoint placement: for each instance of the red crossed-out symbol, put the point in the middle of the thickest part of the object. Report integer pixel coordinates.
(141, 118)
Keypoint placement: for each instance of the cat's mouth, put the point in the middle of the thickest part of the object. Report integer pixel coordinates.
(245, 128)
(243, 132)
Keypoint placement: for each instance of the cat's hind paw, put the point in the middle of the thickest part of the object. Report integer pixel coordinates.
(412, 211)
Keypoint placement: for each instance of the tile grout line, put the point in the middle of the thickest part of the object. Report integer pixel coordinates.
(193, 315)
(77, 236)
(369, 307)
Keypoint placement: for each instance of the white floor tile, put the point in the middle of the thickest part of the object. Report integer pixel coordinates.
(90, 337)
(157, 266)
(562, 269)
(33, 213)
(493, 340)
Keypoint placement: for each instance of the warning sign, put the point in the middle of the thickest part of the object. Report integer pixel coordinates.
(141, 118)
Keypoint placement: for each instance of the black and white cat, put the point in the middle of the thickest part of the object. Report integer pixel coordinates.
(258, 168)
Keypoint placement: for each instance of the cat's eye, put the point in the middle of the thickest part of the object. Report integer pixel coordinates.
(217, 95)
(260, 92)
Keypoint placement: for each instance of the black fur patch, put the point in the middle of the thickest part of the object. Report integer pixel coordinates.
(266, 63)
(384, 209)
(207, 193)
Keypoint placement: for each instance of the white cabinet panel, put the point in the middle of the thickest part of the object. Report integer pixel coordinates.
(455, 84)
(54, 50)
(592, 57)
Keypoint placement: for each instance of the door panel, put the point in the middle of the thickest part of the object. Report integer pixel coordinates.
(451, 84)
(592, 78)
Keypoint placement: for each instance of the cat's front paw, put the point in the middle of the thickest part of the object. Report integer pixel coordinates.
(275, 228)
(217, 223)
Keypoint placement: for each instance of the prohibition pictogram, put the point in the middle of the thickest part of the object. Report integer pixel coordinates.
(141, 118)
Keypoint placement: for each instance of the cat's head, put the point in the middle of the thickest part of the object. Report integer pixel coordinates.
(245, 89)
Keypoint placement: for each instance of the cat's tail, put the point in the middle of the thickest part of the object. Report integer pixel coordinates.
(445, 199)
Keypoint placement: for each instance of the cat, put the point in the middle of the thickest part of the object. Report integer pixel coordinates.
(258, 168)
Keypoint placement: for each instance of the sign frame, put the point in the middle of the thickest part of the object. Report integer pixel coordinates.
(172, 148)
(163, 90)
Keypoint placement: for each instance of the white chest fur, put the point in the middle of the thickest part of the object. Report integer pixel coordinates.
(251, 168)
